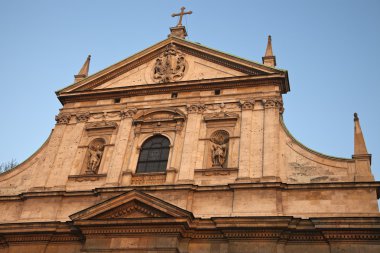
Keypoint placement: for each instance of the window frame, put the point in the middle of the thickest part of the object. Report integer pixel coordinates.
(156, 143)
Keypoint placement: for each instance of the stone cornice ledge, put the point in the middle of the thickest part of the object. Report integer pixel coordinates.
(192, 187)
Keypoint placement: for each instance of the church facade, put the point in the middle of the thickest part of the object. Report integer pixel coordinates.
(182, 148)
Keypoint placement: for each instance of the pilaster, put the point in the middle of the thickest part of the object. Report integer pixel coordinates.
(245, 139)
(257, 140)
(190, 146)
(66, 152)
(116, 163)
(45, 164)
(271, 139)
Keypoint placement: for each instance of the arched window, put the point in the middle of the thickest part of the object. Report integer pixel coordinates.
(154, 155)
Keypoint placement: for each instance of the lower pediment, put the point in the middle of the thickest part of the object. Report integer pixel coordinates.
(131, 205)
(130, 210)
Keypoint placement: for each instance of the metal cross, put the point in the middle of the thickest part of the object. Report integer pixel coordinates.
(181, 15)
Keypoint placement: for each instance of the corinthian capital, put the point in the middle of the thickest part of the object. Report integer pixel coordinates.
(247, 105)
(63, 118)
(198, 108)
(82, 117)
(128, 113)
(274, 103)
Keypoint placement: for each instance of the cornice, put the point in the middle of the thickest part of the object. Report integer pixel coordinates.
(193, 85)
(221, 61)
(284, 229)
(192, 187)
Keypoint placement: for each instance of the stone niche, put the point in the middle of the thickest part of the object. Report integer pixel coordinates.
(221, 147)
(94, 151)
(167, 122)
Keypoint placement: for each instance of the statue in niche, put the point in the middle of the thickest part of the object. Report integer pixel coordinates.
(219, 141)
(95, 153)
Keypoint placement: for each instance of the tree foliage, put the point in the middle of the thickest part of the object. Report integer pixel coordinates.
(5, 166)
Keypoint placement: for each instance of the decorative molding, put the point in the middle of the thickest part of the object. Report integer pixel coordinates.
(221, 119)
(87, 177)
(221, 116)
(216, 171)
(148, 178)
(20, 238)
(101, 125)
(159, 120)
(129, 113)
(352, 235)
(135, 230)
(63, 118)
(132, 209)
(196, 108)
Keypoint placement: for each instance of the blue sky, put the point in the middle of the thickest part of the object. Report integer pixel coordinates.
(330, 48)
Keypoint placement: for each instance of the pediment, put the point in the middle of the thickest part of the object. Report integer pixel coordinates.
(171, 60)
(131, 205)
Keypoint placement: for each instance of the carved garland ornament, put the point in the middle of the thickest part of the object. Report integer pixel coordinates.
(170, 66)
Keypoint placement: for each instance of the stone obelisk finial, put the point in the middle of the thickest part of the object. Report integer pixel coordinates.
(361, 156)
(359, 143)
(269, 59)
(83, 72)
(179, 30)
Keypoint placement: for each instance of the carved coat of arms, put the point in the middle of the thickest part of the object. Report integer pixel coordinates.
(170, 66)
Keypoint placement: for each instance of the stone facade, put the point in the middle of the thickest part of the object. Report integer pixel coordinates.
(235, 179)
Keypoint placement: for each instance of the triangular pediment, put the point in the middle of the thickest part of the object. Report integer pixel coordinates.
(131, 205)
(171, 60)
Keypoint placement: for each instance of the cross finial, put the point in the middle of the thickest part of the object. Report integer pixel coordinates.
(181, 15)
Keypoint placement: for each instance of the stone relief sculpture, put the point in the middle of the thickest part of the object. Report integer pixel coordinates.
(170, 66)
(95, 153)
(219, 141)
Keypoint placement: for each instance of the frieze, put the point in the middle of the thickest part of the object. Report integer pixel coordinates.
(122, 230)
(148, 179)
(101, 125)
(352, 235)
(199, 108)
(216, 171)
(87, 177)
(221, 116)
(63, 118)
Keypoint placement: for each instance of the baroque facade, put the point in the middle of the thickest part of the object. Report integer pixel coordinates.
(182, 148)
